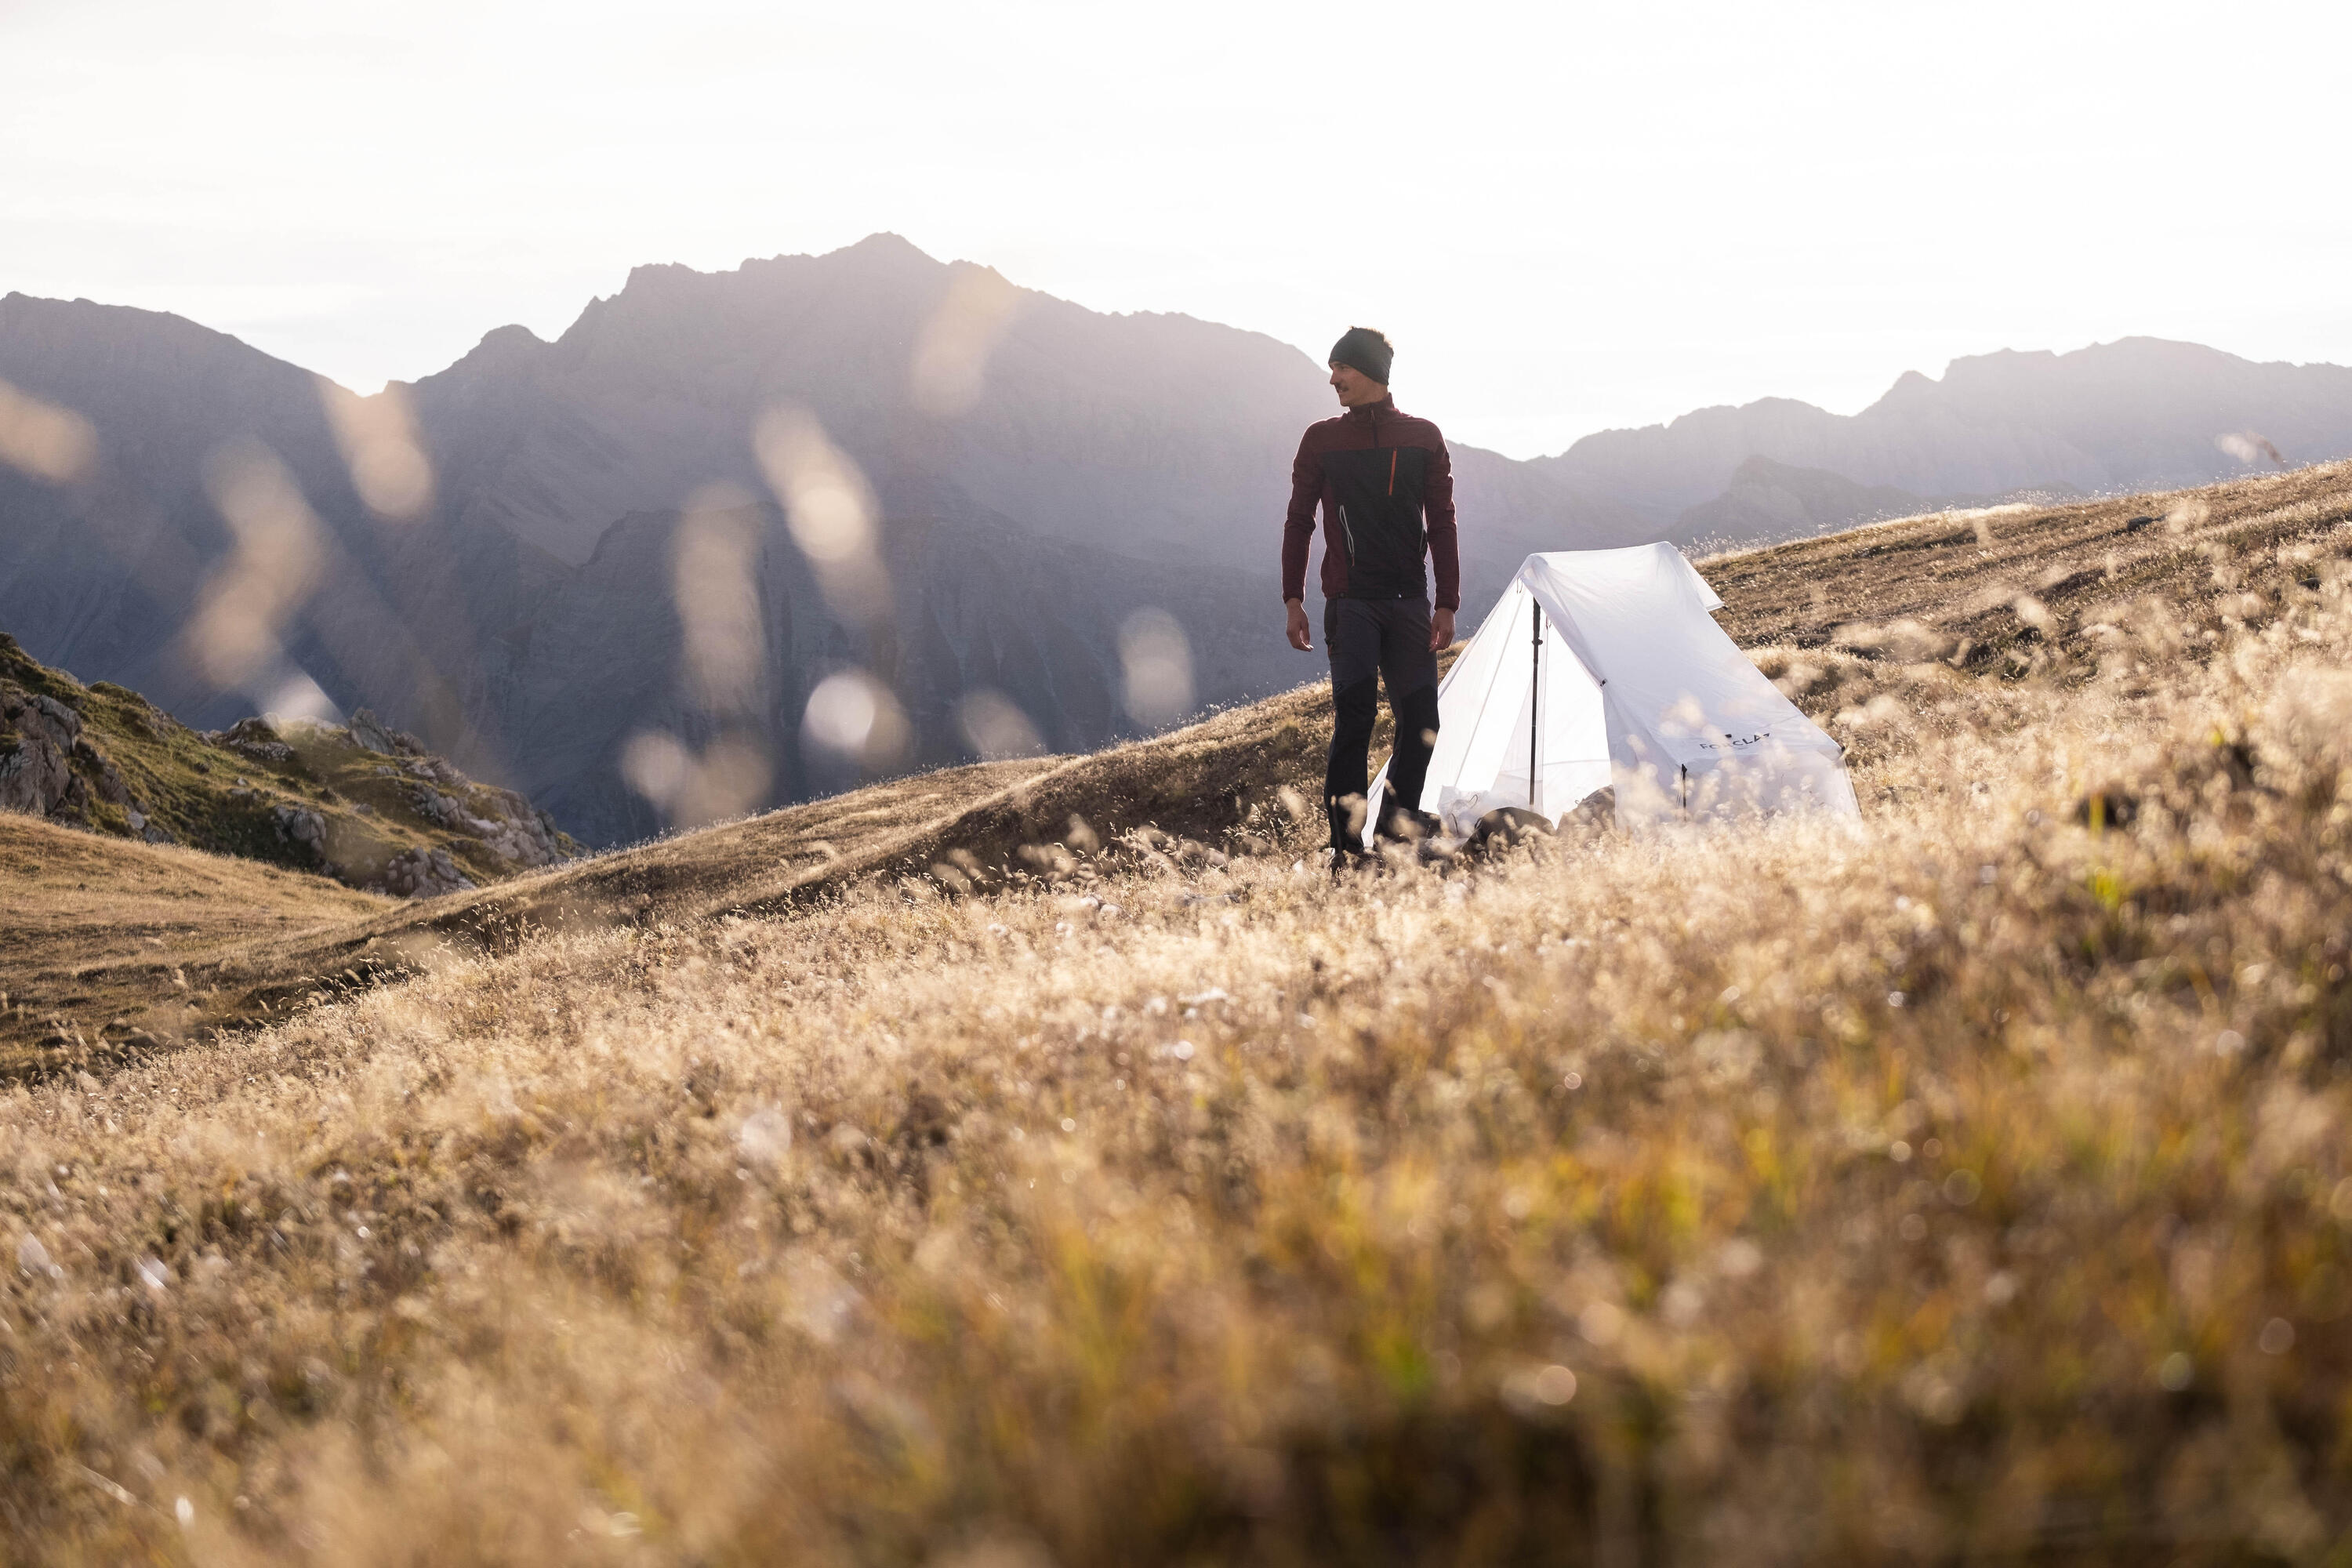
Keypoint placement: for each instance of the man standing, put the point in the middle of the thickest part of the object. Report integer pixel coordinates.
(1386, 486)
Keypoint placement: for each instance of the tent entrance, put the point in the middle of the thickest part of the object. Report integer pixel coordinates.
(1519, 721)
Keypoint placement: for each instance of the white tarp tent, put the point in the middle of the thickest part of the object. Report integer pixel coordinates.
(1603, 668)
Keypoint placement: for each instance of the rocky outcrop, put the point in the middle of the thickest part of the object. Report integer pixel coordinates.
(510, 826)
(255, 738)
(33, 773)
(297, 825)
(372, 733)
(48, 766)
(366, 806)
(423, 874)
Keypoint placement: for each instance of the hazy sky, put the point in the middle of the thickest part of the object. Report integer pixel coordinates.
(1567, 216)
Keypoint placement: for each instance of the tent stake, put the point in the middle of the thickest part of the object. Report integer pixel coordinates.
(1535, 696)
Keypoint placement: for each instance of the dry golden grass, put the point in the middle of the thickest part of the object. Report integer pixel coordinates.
(1973, 1186)
(115, 950)
(1206, 780)
(99, 936)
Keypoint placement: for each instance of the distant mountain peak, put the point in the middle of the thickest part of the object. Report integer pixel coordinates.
(876, 252)
(653, 273)
(880, 266)
(501, 348)
(1911, 389)
(883, 243)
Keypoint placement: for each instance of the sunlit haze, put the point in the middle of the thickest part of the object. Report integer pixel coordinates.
(1568, 217)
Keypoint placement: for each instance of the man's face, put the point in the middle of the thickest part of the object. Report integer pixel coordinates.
(1354, 387)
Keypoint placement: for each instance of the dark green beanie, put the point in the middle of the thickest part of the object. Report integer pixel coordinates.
(1365, 349)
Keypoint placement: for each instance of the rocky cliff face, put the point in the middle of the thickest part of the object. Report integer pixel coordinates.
(364, 804)
(48, 768)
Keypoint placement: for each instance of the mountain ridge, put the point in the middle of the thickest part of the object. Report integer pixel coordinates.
(1138, 461)
(1048, 472)
(1992, 422)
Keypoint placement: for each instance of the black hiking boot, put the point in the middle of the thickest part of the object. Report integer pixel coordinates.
(1349, 858)
(1345, 815)
(1420, 830)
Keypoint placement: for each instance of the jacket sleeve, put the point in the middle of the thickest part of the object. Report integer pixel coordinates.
(1298, 524)
(1437, 511)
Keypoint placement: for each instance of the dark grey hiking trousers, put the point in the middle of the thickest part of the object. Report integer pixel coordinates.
(1369, 641)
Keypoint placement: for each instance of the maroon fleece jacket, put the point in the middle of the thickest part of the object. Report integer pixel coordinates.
(1375, 428)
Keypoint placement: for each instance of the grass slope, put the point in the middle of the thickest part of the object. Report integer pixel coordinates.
(101, 936)
(962, 826)
(115, 941)
(1973, 1186)
(2014, 591)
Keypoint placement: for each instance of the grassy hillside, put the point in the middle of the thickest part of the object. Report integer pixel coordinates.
(929, 1176)
(102, 938)
(988, 825)
(136, 853)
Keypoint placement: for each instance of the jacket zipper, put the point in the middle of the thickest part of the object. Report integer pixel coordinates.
(1347, 530)
(1392, 470)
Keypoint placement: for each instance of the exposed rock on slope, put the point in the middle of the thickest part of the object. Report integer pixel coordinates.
(366, 806)
(38, 763)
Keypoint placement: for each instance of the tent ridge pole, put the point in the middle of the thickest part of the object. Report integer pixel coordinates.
(1535, 696)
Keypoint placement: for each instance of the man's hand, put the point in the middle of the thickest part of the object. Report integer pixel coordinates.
(1299, 638)
(1440, 631)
